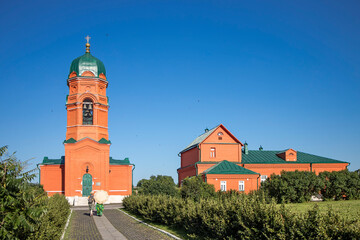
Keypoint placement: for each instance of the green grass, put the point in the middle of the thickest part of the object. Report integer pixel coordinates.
(179, 232)
(68, 229)
(349, 208)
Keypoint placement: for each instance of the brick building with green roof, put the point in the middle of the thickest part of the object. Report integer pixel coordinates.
(222, 160)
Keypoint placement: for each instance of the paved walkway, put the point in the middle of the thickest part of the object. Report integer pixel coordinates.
(114, 224)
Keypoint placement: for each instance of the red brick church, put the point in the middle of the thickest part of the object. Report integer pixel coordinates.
(87, 165)
(222, 160)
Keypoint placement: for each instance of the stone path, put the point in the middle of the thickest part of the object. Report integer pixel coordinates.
(106, 229)
(132, 229)
(82, 227)
(114, 224)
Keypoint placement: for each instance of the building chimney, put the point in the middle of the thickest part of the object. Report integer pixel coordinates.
(261, 148)
(246, 150)
(206, 130)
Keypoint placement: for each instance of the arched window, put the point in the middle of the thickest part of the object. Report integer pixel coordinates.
(87, 112)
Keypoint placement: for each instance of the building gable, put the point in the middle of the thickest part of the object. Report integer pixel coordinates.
(221, 135)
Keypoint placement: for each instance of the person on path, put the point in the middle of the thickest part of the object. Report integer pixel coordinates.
(91, 202)
(99, 209)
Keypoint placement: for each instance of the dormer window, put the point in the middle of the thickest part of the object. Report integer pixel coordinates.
(289, 155)
(87, 112)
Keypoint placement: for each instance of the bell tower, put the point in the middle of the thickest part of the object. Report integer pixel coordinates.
(87, 103)
(87, 145)
(87, 165)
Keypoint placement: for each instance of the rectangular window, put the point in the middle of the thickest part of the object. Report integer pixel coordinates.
(212, 152)
(263, 178)
(241, 186)
(223, 186)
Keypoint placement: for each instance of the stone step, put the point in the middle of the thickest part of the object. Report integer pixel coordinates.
(83, 201)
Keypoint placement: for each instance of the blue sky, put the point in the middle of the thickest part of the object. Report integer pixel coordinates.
(279, 74)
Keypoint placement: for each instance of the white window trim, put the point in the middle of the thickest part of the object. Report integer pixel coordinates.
(262, 179)
(223, 186)
(242, 183)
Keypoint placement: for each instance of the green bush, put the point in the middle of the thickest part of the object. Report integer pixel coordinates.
(341, 185)
(22, 204)
(158, 185)
(294, 187)
(195, 188)
(241, 217)
(25, 210)
(53, 222)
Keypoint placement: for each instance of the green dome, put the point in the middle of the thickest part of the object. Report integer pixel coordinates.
(87, 62)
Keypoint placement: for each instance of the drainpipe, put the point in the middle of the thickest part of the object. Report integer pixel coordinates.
(257, 182)
(310, 167)
(37, 166)
(132, 179)
(199, 156)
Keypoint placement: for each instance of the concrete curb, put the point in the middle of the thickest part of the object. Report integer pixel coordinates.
(66, 225)
(158, 229)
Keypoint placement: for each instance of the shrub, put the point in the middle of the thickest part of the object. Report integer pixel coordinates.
(241, 217)
(25, 210)
(157, 185)
(295, 187)
(341, 185)
(195, 188)
(21, 204)
(53, 222)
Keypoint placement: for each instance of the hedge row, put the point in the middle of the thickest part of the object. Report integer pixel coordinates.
(299, 186)
(241, 217)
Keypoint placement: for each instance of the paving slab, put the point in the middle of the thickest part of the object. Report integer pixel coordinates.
(83, 227)
(132, 229)
(106, 229)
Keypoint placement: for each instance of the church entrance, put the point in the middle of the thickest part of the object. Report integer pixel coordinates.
(86, 185)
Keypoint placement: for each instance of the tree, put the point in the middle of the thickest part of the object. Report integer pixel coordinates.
(21, 204)
(195, 188)
(297, 186)
(341, 185)
(157, 185)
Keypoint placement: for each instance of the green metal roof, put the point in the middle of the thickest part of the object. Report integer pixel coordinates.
(226, 167)
(47, 161)
(119, 162)
(270, 157)
(87, 62)
(102, 141)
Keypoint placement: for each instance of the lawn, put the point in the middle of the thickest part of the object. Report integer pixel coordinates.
(349, 208)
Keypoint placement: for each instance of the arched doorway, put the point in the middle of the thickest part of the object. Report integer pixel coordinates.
(86, 185)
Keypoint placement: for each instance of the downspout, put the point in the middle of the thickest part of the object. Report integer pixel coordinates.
(199, 158)
(37, 166)
(257, 182)
(132, 179)
(310, 167)
(205, 177)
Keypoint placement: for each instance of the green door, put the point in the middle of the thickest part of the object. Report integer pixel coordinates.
(86, 185)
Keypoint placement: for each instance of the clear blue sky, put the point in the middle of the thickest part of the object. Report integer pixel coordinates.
(282, 74)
